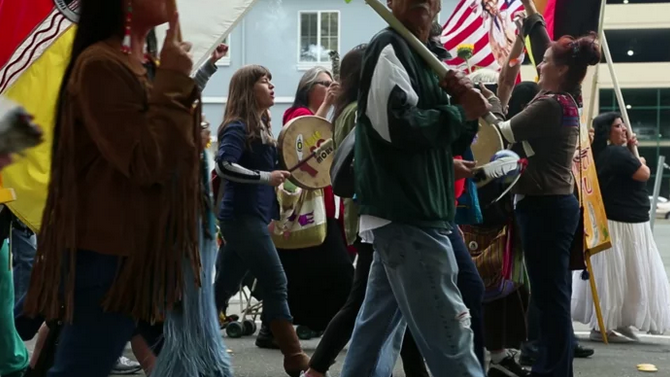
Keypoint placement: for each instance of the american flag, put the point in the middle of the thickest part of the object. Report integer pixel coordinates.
(471, 24)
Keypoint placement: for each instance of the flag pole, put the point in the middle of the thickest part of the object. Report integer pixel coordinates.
(617, 91)
(589, 120)
(594, 82)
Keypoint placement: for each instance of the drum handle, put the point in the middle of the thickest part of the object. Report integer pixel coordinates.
(439, 67)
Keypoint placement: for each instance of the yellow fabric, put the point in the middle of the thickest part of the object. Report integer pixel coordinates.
(596, 230)
(529, 49)
(37, 90)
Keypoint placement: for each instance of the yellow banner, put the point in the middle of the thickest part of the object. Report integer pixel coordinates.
(37, 90)
(596, 231)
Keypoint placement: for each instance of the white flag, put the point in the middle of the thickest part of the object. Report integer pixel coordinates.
(206, 23)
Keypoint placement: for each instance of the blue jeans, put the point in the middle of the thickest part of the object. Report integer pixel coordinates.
(23, 245)
(90, 346)
(548, 225)
(472, 289)
(249, 248)
(412, 283)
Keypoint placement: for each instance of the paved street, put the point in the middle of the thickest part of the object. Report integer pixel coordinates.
(611, 361)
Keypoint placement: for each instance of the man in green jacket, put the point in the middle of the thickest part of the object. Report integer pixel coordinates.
(406, 130)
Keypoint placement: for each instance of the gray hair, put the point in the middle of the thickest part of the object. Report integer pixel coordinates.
(484, 76)
(306, 83)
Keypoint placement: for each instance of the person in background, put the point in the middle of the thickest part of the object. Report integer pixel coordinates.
(546, 208)
(319, 276)
(247, 160)
(632, 283)
(534, 28)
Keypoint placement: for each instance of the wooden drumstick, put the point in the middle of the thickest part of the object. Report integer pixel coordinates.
(172, 8)
(327, 145)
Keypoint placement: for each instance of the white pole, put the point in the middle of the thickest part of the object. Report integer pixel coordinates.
(657, 190)
(617, 90)
(594, 82)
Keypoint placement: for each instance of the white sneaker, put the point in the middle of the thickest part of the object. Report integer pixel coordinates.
(628, 333)
(125, 366)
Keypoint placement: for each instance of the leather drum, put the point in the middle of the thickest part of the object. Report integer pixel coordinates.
(487, 142)
(297, 140)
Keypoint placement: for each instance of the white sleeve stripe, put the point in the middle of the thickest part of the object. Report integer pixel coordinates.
(506, 130)
(388, 74)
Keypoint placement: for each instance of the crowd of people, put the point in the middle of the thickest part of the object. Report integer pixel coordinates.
(129, 129)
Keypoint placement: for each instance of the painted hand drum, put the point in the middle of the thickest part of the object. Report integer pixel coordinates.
(297, 141)
(487, 142)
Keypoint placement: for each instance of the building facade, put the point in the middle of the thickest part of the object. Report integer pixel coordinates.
(289, 37)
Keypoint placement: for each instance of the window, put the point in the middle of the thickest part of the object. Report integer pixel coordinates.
(648, 110)
(638, 45)
(319, 33)
(225, 61)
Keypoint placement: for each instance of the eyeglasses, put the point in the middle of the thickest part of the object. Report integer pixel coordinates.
(324, 83)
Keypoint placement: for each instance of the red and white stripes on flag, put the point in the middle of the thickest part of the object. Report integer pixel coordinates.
(471, 24)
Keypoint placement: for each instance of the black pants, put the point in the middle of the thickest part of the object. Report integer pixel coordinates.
(338, 332)
(548, 225)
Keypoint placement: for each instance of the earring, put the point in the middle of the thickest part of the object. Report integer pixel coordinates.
(125, 46)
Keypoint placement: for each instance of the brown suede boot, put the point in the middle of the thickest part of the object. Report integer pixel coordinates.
(295, 361)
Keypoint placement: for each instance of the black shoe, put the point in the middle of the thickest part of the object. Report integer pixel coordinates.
(508, 367)
(265, 339)
(582, 352)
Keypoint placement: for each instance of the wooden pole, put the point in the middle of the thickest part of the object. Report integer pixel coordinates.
(594, 82)
(596, 300)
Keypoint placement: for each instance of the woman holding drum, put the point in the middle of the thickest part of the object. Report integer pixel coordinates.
(247, 160)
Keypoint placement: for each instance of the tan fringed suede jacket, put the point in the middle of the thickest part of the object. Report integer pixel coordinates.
(125, 182)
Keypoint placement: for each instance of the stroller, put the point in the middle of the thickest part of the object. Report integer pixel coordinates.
(251, 308)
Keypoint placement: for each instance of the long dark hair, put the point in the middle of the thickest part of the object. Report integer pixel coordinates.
(350, 75)
(602, 125)
(98, 21)
(243, 106)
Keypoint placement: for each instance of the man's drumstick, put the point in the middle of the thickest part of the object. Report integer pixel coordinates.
(172, 8)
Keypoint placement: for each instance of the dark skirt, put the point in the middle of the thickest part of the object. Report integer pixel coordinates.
(319, 279)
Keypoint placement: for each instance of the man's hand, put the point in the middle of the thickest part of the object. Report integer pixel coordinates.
(485, 91)
(474, 104)
(455, 83)
(463, 169)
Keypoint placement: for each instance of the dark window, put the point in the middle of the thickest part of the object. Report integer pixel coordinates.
(639, 45)
(648, 110)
